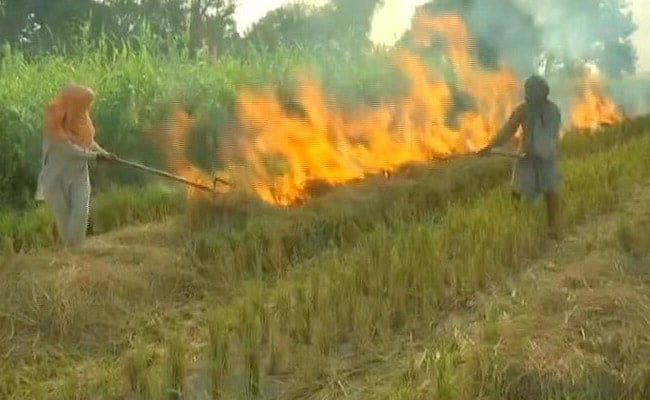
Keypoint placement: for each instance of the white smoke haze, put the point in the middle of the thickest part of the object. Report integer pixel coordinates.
(641, 15)
(393, 18)
(564, 31)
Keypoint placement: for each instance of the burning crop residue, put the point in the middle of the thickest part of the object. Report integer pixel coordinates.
(276, 155)
(591, 107)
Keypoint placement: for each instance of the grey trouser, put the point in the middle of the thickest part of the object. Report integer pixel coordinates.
(69, 200)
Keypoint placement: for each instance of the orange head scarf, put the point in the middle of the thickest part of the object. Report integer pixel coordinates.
(67, 116)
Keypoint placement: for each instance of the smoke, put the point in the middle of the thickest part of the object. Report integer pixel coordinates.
(529, 36)
(641, 15)
(596, 32)
(563, 32)
(632, 94)
(504, 32)
(555, 38)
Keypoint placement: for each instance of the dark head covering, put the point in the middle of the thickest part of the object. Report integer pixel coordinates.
(536, 90)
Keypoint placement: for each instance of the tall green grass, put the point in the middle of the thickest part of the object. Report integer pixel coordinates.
(134, 90)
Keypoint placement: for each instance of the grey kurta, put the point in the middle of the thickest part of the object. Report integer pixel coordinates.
(64, 185)
(537, 172)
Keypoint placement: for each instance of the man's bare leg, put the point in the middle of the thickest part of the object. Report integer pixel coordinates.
(552, 200)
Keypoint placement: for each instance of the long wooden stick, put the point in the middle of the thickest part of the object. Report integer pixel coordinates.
(496, 152)
(172, 176)
(493, 152)
(506, 153)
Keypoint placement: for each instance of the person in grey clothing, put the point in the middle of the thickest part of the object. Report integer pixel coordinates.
(68, 145)
(537, 171)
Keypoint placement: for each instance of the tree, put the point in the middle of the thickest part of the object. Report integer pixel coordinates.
(297, 22)
(340, 22)
(42, 24)
(354, 18)
(211, 25)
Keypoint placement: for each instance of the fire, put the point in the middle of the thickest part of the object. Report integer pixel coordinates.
(175, 137)
(334, 146)
(591, 107)
(276, 155)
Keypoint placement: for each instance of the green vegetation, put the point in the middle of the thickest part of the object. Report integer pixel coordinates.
(134, 92)
(140, 58)
(117, 207)
(326, 293)
(429, 284)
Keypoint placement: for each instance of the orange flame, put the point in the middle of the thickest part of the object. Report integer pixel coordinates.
(175, 137)
(591, 107)
(277, 155)
(332, 146)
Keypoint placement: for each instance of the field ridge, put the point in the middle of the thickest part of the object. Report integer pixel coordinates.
(445, 238)
(611, 249)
